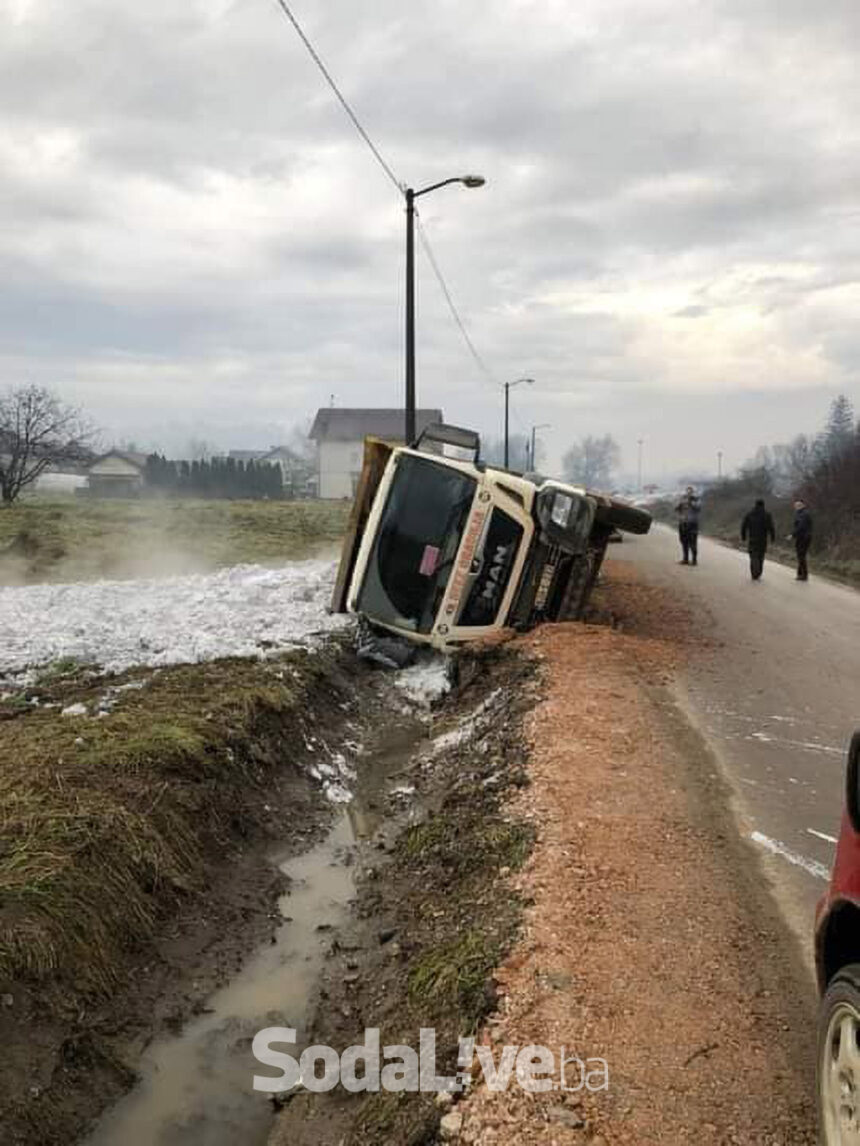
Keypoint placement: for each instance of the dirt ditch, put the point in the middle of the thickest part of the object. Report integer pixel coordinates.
(434, 912)
(147, 829)
(178, 871)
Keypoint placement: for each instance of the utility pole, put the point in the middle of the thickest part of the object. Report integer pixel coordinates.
(507, 418)
(410, 316)
(508, 386)
(719, 465)
(640, 443)
(411, 195)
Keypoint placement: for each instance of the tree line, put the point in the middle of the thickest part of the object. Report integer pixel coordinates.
(38, 432)
(215, 477)
(821, 468)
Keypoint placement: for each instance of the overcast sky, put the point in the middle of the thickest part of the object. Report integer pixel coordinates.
(195, 243)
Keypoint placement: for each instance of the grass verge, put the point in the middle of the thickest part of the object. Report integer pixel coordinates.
(123, 800)
(86, 539)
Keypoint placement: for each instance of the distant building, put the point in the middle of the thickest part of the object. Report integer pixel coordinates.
(339, 435)
(119, 473)
(298, 473)
(247, 455)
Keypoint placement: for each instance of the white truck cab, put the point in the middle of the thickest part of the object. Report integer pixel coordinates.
(443, 550)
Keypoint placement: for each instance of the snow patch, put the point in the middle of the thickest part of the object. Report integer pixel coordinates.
(335, 775)
(468, 727)
(425, 682)
(245, 610)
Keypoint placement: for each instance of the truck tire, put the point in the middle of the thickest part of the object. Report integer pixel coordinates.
(622, 515)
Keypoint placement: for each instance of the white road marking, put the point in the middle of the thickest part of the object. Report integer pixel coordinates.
(813, 867)
(823, 836)
(809, 747)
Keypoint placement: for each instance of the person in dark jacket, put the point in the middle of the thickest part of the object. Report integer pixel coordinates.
(688, 510)
(801, 535)
(757, 529)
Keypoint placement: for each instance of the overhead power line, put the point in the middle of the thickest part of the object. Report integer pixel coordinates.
(377, 154)
(341, 98)
(455, 314)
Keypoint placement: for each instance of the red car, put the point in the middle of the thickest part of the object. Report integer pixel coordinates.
(837, 957)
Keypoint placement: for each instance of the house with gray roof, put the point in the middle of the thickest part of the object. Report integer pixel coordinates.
(339, 434)
(118, 473)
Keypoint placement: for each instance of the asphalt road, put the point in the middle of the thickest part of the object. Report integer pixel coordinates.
(776, 692)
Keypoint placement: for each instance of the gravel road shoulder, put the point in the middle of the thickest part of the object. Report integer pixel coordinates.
(652, 941)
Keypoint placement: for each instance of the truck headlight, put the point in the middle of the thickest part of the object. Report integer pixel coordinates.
(562, 505)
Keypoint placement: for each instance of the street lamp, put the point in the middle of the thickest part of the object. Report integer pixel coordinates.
(539, 426)
(411, 196)
(508, 387)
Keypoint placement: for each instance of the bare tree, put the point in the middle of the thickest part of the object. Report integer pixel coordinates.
(198, 450)
(36, 431)
(591, 461)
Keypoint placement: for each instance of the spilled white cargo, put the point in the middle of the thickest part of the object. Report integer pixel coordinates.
(245, 610)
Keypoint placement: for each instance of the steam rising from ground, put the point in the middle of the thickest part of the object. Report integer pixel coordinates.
(88, 539)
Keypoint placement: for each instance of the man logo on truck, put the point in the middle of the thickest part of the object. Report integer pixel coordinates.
(491, 591)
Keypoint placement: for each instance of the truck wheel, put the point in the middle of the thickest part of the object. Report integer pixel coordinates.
(838, 1064)
(621, 515)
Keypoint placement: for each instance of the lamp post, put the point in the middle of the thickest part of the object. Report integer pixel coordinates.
(539, 426)
(719, 465)
(639, 443)
(508, 387)
(411, 195)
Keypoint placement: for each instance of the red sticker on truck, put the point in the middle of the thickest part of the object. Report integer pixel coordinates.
(429, 561)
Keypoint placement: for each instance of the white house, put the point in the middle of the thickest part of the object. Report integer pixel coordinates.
(339, 435)
(297, 473)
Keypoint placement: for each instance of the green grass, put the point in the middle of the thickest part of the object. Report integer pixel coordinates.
(104, 823)
(82, 539)
(455, 975)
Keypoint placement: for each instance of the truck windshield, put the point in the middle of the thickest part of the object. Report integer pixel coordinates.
(416, 544)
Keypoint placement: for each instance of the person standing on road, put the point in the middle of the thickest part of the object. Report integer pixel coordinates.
(688, 510)
(757, 529)
(801, 535)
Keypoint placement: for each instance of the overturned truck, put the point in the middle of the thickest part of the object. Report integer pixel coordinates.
(443, 549)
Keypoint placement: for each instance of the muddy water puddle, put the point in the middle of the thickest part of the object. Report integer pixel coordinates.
(195, 1088)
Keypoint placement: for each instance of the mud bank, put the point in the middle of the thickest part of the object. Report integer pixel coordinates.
(141, 815)
(434, 911)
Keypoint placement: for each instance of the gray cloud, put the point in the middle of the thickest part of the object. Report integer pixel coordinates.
(193, 233)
